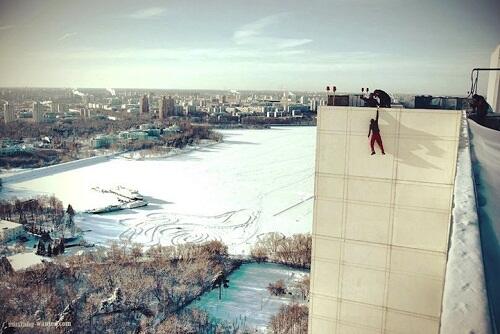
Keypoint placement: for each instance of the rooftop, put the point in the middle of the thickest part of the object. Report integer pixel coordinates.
(5, 224)
(24, 261)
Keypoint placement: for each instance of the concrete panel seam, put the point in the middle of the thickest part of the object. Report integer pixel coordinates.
(391, 220)
(344, 219)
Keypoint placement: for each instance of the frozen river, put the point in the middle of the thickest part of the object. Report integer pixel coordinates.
(247, 301)
(256, 181)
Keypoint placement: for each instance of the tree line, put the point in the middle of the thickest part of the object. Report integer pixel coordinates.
(154, 284)
(34, 210)
(293, 250)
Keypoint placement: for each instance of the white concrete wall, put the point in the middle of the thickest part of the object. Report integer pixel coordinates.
(381, 223)
(493, 92)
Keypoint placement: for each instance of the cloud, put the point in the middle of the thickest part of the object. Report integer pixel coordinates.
(147, 13)
(7, 27)
(174, 54)
(66, 36)
(253, 34)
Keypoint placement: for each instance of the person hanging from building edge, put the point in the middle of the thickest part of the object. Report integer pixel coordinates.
(375, 132)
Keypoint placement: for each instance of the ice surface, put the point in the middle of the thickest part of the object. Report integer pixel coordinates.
(233, 191)
(247, 300)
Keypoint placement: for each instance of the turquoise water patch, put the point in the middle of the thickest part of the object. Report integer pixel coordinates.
(247, 299)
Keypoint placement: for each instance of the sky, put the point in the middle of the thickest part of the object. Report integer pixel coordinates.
(402, 46)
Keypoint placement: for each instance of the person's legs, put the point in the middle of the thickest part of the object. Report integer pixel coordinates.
(372, 142)
(379, 142)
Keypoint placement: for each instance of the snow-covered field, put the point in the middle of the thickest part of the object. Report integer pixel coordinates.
(256, 181)
(247, 300)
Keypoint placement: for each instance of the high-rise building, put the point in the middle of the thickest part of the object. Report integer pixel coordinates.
(8, 112)
(162, 110)
(37, 112)
(313, 105)
(170, 106)
(144, 104)
(381, 223)
(85, 113)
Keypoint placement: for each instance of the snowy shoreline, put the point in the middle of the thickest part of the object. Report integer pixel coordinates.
(138, 155)
(30, 174)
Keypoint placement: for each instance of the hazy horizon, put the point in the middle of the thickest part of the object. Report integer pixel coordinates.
(151, 89)
(396, 45)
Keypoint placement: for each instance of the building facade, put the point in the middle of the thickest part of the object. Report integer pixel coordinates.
(381, 222)
(144, 104)
(37, 112)
(170, 108)
(8, 112)
(162, 109)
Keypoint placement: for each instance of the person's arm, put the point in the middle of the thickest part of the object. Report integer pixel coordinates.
(376, 119)
(369, 130)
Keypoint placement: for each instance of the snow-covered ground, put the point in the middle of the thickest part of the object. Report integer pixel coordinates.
(465, 301)
(256, 181)
(486, 157)
(247, 300)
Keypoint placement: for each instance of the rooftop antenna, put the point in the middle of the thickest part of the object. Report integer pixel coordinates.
(333, 89)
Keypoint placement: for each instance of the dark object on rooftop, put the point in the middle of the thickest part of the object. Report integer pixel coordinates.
(439, 102)
(340, 100)
(384, 98)
(378, 98)
(480, 108)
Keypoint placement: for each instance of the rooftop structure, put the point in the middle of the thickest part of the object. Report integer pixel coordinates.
(23, 261)
(10, 230)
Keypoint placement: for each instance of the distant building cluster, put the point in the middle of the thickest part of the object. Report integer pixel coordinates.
(51, 105)
(144, 132)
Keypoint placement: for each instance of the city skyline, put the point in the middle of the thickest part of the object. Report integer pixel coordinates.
(427, 47)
